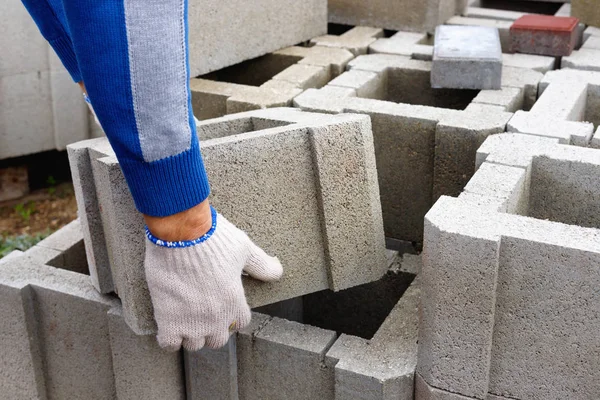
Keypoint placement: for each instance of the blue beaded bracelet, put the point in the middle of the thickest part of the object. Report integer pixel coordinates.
(185, 243)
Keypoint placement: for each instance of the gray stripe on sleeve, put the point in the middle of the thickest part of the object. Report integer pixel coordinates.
(157, 65)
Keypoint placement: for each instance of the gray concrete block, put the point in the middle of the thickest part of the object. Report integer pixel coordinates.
(383, 367)
(525, 79)
(303, 152)
(500, 149)
(541, 64)
(71, 329)
(508, 333)
(356, 40)
(563, 102)
(213, 374)
(215, 43)
(89, 214)
(68, 242)
(564, 11)
(491, 13)
(591, 43)
(502, 26)
(305, 76)
(567, 132)
(285, 360)
(142, 370)
(584, 59)
(423, 16)
(425, 392)
(466, 58)
(457, 138)
(595, 143)
(509, 98)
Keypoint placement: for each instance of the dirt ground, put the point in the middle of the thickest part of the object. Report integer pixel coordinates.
(42, 211)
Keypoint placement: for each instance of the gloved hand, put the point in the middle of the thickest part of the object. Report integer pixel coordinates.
(196, 286)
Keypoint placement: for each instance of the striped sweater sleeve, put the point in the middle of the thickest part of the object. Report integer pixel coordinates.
(133, 58)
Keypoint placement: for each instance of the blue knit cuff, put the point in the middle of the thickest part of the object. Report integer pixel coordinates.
(64, 49)
(185, 243)
(167, 186)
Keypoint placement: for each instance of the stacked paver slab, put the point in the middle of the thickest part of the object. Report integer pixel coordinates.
(40, 106)
(223, 34)
(317, 169)
(524, 239)
(307, 67)
(61, 339)
(422, 151)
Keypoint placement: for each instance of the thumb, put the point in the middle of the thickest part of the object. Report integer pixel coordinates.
(261, 266)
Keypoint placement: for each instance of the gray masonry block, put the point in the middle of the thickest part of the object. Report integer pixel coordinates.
(595, 143)
(587, 59)
(491, 13)
(408, 15)
(531, 279)
(89, 214)
(357, 40)
(142, 369)
(466, 57)
(303, 152)
(562, 101)
(215, 43)
(287, 72)
(425, 392)
(383, 367)
(425, 145)
(285, 360)
(502, 26)
(67, 330)
(568, 132)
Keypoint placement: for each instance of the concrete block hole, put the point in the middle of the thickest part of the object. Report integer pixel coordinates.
(254, 72)
(359, 311)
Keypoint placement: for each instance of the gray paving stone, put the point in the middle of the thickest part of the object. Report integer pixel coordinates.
(502, 26)
(466, 58)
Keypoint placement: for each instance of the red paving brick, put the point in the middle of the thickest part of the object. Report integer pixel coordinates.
(544, 35)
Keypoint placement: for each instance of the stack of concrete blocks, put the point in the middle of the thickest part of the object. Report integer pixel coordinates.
(277, 359)
(475, 15)
(587, 11)
(217, 40)
(61, 339)
(41, 108)
(425, 146)
(407, 15)
(295, 70)
(466, 57)
(319, 209)
(510, 278)
(568, 98)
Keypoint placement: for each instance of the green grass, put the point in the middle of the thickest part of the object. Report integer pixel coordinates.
(19, 242)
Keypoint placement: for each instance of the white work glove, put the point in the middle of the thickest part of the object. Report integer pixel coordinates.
(196, 287)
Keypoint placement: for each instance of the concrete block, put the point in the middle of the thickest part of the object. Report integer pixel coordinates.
(499, 149)
(585, 59)
(67, 250)
(457, 138)
(491, 13)
(14, 182)
(567, 132)
(357, 40)
(544, 35)
(587, 11)
(595, 143)
(502, 26)
(25, 114)
(70, 332)
(533, 62)
(507, 336)
(383, 367)
(525, 79)
(592, 42)
(215, 44)
(89, 214)
(305, 76)
(564, 10)
(563, 102)
(307, 145)
(423, 16)
(510, 99)
(466, 58)
(285, 360)
(141, 368)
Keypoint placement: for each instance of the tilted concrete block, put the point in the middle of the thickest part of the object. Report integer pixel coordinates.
(417, 158)
(338, 201)
(466, 57)
(530, 278)
(215, 43)
(142, 369)
(422, 15)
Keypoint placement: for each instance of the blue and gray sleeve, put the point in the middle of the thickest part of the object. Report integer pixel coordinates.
(132, 56)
